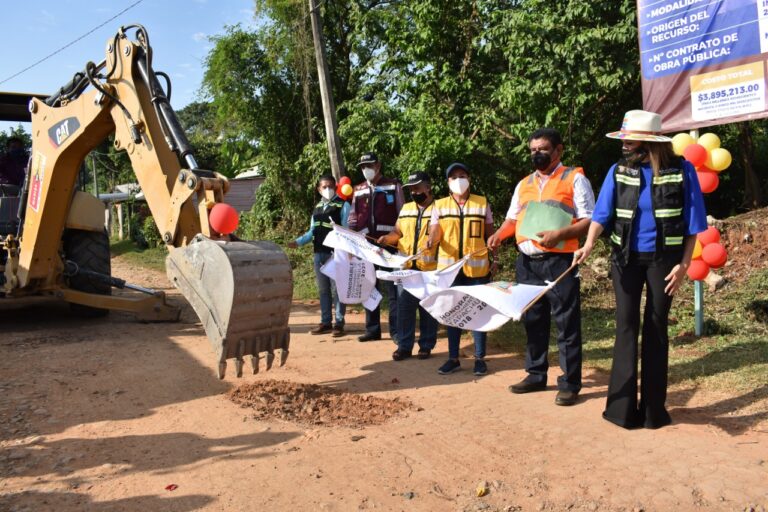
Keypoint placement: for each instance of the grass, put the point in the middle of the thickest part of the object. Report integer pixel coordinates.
(152, 258)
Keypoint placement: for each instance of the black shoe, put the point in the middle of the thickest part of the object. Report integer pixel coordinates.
(321, 329)
(424, 353)
(338, 330)
(526, 386)
(399, 355)
(565, 397)
(369, 337)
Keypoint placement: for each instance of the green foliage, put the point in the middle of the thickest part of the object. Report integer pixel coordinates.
(18, 132)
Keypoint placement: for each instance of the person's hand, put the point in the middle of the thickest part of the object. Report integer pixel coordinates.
(494, 242)
(581, 254)
(292, 244)
(675, 279)
(549, 239)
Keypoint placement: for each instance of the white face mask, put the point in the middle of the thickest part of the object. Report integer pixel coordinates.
(327, 193)
(369, 173)
(459, 185)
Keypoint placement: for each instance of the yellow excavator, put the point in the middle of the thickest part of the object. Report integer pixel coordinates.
(54, 244)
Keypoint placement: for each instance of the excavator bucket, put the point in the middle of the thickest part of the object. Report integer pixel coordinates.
(242, 293)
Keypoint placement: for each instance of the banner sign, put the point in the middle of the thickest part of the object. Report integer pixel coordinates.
(702, 60)
(355, 243)
(419, 283)
(481, 307)
(355, 279)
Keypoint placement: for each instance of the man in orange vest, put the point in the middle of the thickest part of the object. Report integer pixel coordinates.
(564, 196)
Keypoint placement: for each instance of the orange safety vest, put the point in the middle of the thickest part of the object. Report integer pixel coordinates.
(558, 192)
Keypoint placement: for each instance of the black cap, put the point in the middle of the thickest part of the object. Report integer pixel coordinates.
(368, 158)
(454, 166)
(416, 178)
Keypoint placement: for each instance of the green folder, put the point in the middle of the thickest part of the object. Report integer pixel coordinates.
(543, 217)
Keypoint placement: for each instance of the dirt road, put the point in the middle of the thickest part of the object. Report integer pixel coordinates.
(106, 415)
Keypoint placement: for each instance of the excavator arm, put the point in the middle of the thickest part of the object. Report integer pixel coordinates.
(241, 290)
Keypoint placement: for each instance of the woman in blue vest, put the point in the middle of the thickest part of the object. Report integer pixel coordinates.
(651, 204)
(331, 209)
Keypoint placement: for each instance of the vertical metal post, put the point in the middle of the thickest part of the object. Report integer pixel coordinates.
(326, 94)
(698, 307)
(698, 288)
(95, 177)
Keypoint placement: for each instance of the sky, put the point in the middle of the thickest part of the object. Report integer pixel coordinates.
(179, 32)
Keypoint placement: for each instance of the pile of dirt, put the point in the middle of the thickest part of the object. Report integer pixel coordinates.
(310, 404)
(745, 237)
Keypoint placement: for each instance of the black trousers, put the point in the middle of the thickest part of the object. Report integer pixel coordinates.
(373, 318)
(622, 408)
(564, 302)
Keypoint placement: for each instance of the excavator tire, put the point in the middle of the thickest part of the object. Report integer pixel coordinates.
(242, 292)
(90, 251)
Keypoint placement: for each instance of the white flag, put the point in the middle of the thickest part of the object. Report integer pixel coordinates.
(420, 284)
(373, 301)
(355, 278)
(346, 240)
(481, 307)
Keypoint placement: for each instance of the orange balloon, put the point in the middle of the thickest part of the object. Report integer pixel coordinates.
(714, 255)
(710, 236)
(696, 154)
(223, 218)
(697, 250)
(698, 270)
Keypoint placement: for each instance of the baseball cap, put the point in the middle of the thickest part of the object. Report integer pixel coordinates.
(416, 178)
(454, 166)
(368, 158)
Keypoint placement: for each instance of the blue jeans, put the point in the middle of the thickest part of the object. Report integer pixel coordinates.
(454, 333)
(407, 305)
(326, 288)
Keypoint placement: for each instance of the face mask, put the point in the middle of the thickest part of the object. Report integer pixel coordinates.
(327, 193)
(369, 173)
(419, 198)
(459, 185)
(541, 161)
(634, 155)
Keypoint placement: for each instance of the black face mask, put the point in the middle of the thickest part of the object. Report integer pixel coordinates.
(419, 198)
(634, 156)
(541, 161)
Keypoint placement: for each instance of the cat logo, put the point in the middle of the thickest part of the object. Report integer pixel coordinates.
(59, 133)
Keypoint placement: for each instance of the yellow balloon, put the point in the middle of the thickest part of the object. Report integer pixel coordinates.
(680, 142)
(697, 250)
(719, 159)
(346, 189)
(709, 141)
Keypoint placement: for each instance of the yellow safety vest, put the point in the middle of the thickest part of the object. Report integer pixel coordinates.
(411, 241)
(463, 233)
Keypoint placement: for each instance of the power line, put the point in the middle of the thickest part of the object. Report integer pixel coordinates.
(134, 4)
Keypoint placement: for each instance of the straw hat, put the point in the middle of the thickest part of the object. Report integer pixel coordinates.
(640, 125)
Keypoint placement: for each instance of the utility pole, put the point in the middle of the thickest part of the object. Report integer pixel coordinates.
(329, 108)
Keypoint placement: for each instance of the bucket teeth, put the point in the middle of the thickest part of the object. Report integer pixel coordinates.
(242, 293)
(283, 356)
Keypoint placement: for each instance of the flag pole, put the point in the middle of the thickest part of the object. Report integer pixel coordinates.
(545, 290)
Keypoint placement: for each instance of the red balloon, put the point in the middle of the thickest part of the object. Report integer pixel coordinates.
(696, 154)
(710, 236)
(708, 181)
(345, 180)
(698, 270)
(223, 218)
(714, 255)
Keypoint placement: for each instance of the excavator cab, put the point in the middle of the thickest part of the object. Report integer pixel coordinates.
(56, 246)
